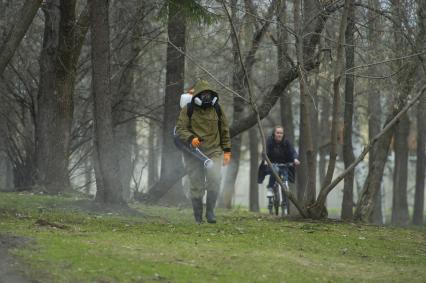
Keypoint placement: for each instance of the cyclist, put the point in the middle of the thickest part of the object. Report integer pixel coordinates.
(280, 150)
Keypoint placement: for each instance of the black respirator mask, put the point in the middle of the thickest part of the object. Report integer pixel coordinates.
(205, 99)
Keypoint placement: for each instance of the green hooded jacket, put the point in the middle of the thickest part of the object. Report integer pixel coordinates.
(204, 124)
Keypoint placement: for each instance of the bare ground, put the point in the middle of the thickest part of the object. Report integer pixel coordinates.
(11, 271)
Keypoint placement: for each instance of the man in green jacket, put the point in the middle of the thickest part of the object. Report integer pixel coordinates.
(204, 127)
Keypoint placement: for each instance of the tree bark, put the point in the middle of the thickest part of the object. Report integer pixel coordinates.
(348, 155)
(171, 158)
(109, 189)
(254, 162)
(305, 50)
(17, 32)
(399, 200)
(63, 39)
(317, 208)
(283, 64)
(152, 154)
(421, 133)
(338, 71)
(374, 108)
(237, 84)
(46, 98)
(421, 162)
(128, 48)
(324, 135)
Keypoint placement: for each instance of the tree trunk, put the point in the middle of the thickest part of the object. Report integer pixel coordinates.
(17, 32)
(128, 49)
(421, 162)
(338, 71)
(374, 108)
(6, 165)
(47, 98)
(367, 200)
(6, 173)
(254, 162)
(405, 84)
(171, 158)
(318, 209)
(348, 155)
(283, 64)
(109, 189)
(421, 130)
(305, 49)
(152, 154)
(61, 48)
(324, 136)
(238, 85)
(399, 201)
(286, 101)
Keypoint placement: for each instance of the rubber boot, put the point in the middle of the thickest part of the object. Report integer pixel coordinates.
(197, 207)
(210, 205)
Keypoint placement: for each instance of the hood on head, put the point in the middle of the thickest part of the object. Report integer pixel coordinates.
(202, 85)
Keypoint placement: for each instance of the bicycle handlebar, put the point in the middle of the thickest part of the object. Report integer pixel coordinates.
(288, 164)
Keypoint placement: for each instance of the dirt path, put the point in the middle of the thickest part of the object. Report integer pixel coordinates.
(10, 269)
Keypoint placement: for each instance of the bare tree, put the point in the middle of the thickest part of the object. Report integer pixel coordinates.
(365, 206)
(305, 52)
(421, 156)
(62, 43)
(348, 155)
(238, 83)
(421, 134)
(171, 159)
(284, 62)
(109, 189)
(374, 108)
(127, 45)
(317, 208)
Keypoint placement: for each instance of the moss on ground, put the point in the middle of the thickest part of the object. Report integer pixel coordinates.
(73, 244)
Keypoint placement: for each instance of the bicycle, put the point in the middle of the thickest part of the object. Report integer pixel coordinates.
(278, 198)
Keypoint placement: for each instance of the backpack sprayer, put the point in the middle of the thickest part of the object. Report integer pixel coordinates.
(186, 147)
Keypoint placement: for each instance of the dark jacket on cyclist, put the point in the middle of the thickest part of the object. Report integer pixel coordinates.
(282, 152)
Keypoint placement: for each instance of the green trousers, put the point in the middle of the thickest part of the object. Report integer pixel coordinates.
(203, 179)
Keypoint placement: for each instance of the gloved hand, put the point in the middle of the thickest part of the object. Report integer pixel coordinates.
(196, 142)
(226, 158)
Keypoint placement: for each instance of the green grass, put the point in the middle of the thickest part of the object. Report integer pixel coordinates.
(163, 245)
